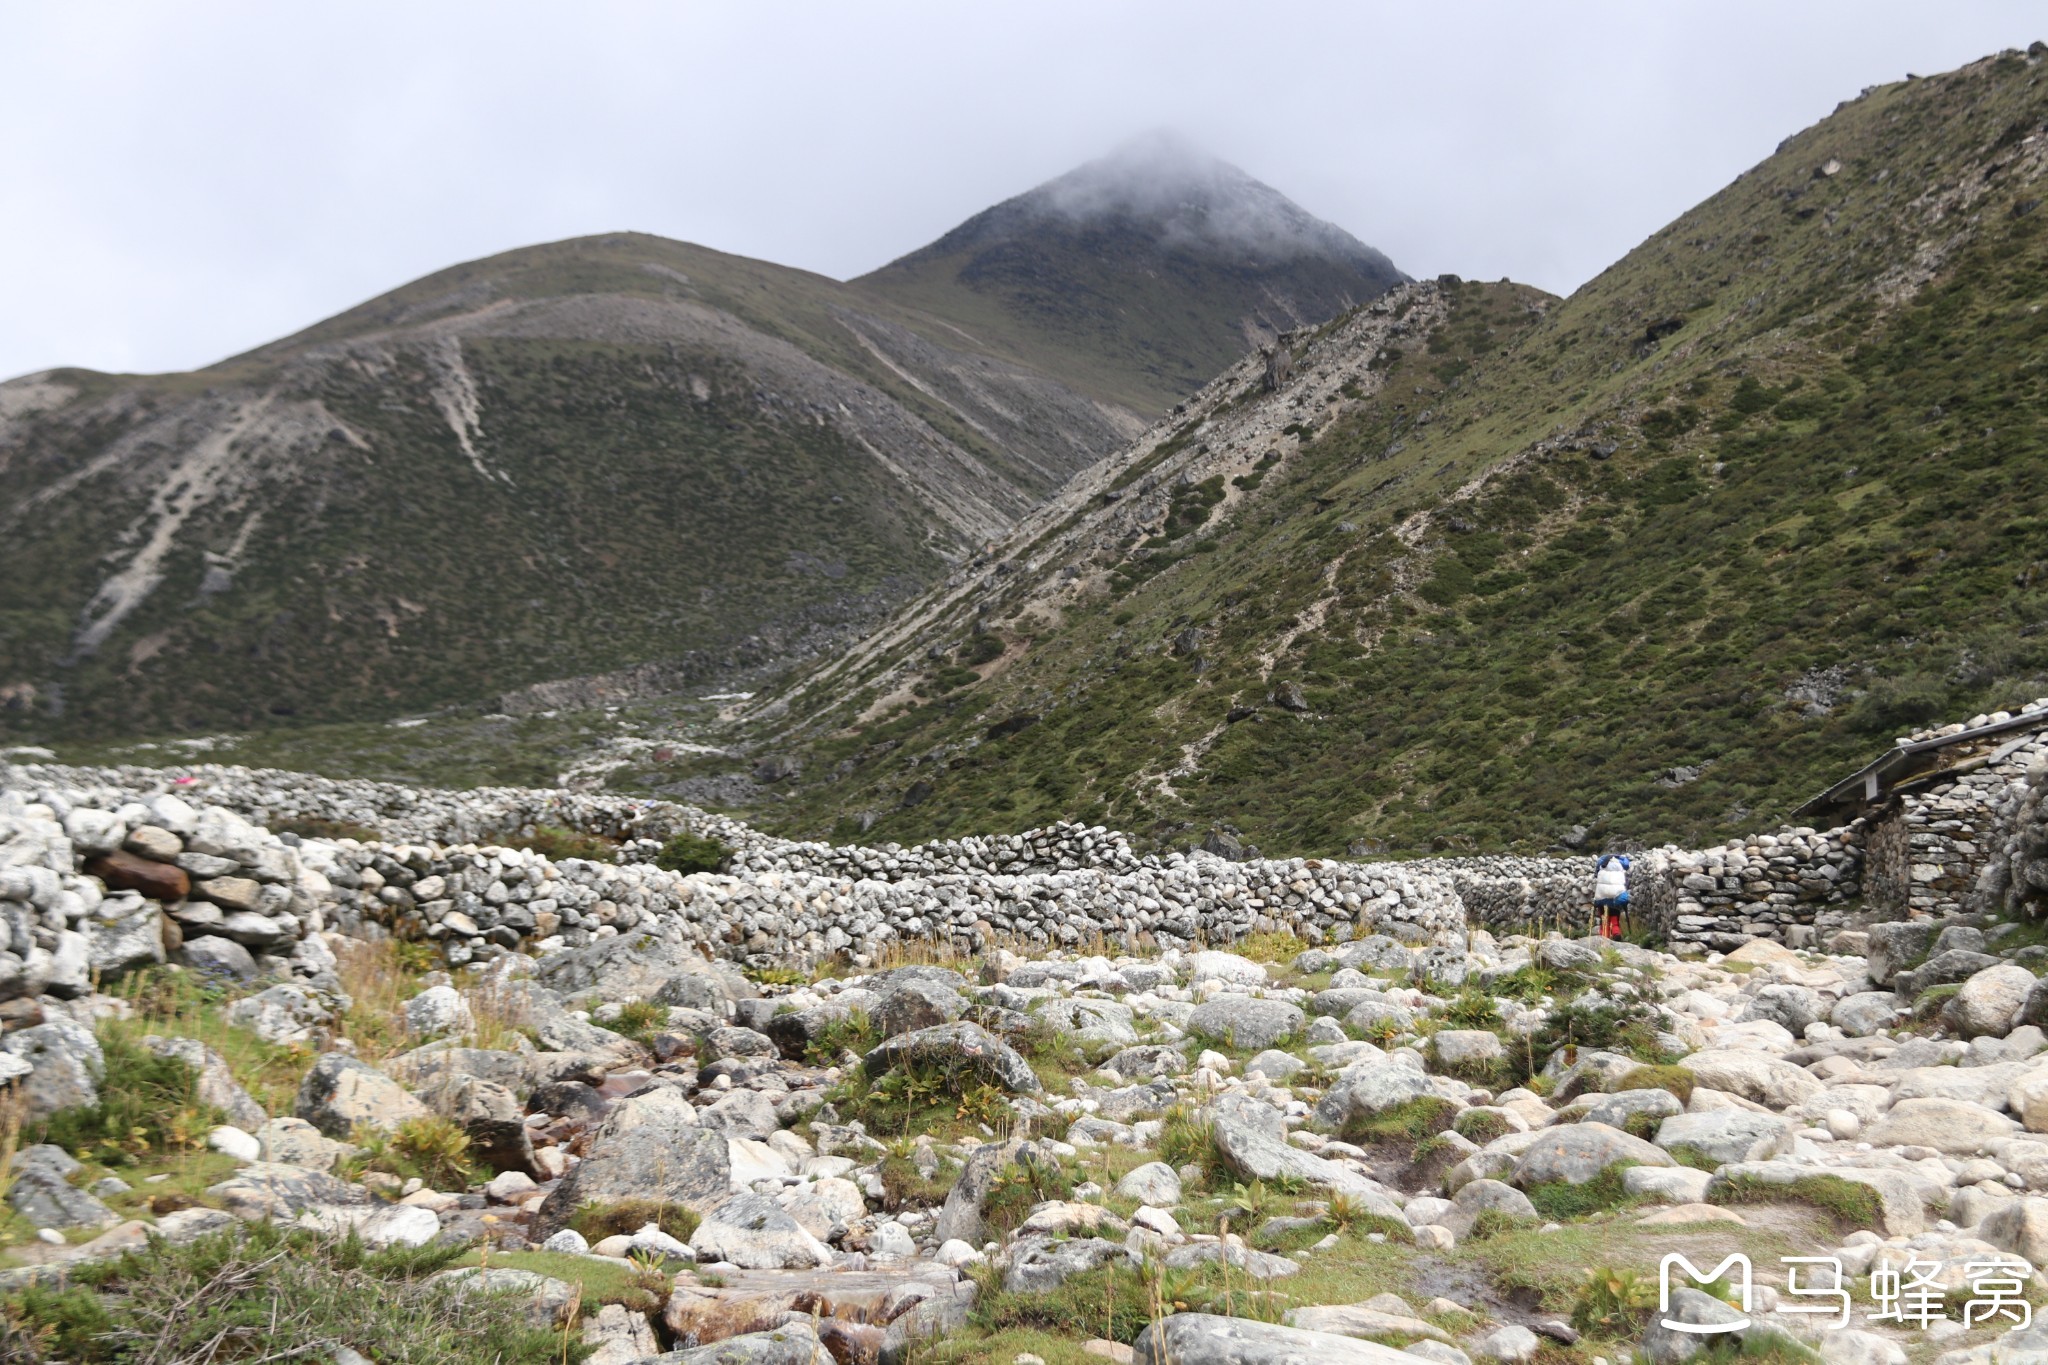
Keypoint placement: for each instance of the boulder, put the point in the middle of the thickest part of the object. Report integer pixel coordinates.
(341, 1094)
(1209, 1339)
(1957, 964)
(962, 1046)
(1989, 1003)
(1668, 1346)
(742, 1114)
(650, 1147)
(827, 1208)
(1092, 1021)
(1275, 1065)
(1512, 1343)
(272, 1190)
(1365, 1090)
(1666, 1184)
(961, 1217)
(1259, 1265)
(1724, 1135)
(490, 1115)
(1487, 1196)
(1576, 1153)
(1256, 1153)
(1040, 1263)
(285, 1014)
(1464, 1047)
(1892, 946)
(2019, 1226)
(1617, 1109)
(218, 957)
(916, 1004)
(1864, 1013)
(1793, 1007)
(437, 1010)
(295, 1142)
(755, 1233)
(793, 1343)
(123, 935)
(1956, 1127)
(1153, 1183)
(1228, 968)
(67, 1065)
(1755, 1076)
(47, 1200)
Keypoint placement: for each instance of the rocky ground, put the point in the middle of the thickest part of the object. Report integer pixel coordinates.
(1424, 1142)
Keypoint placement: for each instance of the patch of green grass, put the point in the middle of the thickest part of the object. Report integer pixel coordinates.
(429, 1148)
(148, 1105)
(1018, 1188)
(1851, 1205)
(1672, 1077)
(639, 1020)
(556, 843)
(921, 1097)
(174, 1003)
(904, 1186)
(1410, 1121)
(1480, 1126)
(1187, 1139)
(602, 1281)
(855, 1032)
(1560, 1200)
(263, 1292)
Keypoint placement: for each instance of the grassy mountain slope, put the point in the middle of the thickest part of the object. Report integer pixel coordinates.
(559, 461)
(1658, 559)
(1140, 276)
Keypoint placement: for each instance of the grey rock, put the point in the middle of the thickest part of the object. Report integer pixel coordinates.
(1209, 1339)
(218, 957)
(1135, 1101)
(1792, 1006)
(962, 1046)
(284, 1014)
(1725, 1135)
(1578, 1152)
(1091, 1021)
(961, 1217)
(1617, 1109)
(1038, 1264)
(793, 1343)
(1147, 1062)
(1245, 1021)
(1279, 1067)
(1864, 1013)
(915, 1004)
(267, 1189)
(1957, 964)
(49, 1201)
(1260, 1265)
(341, 1094)
(123, 936)
(1487, 1196)
(650, 1147)
(1366, 1090)
(492, 1118)
(754, 1233)
(1153, 1183)
(1256, 1153)
(1892, 946)
(68, 1065)
(742, 1114)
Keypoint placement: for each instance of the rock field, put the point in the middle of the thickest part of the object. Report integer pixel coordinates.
(851, 1100)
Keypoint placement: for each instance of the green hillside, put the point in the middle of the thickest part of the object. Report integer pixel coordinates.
(1658, 559)
(558, 462)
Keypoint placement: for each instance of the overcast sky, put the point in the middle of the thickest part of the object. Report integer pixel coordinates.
(181, 182)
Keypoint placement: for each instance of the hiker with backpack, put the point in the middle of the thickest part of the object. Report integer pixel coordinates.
(1610, 893)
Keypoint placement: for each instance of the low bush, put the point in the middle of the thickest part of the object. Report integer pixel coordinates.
(555, 843)
(265, 1292)
(148, 1104)
(687, 853)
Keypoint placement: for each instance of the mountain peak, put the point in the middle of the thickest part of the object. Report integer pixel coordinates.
(1193, 201)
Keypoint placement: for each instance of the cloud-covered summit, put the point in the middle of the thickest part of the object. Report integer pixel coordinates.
(1193, 201)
